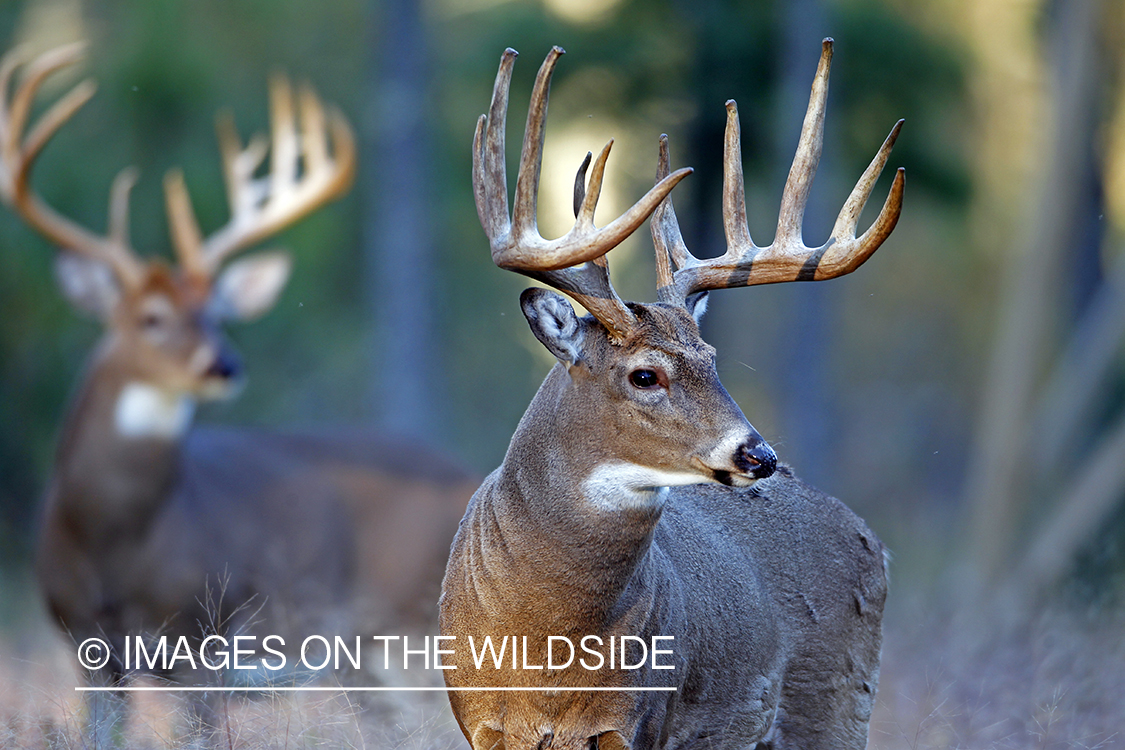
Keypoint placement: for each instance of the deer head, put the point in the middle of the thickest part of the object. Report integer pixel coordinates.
(642, 380)
(163, 320)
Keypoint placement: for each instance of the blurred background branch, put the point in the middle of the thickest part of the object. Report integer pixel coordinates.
(1049, 273)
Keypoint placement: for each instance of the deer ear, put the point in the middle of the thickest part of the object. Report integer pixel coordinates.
(250, 286)
(696, 306)
(554, 323)
(88, 284)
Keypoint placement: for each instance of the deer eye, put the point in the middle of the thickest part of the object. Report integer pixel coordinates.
(155, 312)
(644, 379)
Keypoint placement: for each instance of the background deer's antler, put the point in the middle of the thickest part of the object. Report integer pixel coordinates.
(304, 172)
(303, 176)
(19, 151)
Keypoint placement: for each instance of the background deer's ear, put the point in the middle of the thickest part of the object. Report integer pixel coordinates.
(88, 284)
(250, 286)
(554, 323)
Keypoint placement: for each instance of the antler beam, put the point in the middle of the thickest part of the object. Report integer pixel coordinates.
(18, 153)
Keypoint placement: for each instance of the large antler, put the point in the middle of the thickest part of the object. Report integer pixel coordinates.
(680, 274)
(575, 262)
(19, 151)
(303, 176)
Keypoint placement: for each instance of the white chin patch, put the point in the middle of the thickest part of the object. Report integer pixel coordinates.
(144, 411)
(620, 485)
(742, 480)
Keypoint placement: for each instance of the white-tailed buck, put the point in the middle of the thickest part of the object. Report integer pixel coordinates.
(638, 520)
(153, 526)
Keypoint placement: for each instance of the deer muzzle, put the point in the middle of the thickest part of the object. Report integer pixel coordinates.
(225, 366)
(751, 460)
(756, 458)
(221, 377)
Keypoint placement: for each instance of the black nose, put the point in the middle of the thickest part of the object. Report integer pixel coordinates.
(225, 366)
(757, 459)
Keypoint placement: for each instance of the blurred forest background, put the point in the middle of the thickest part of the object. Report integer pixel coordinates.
(964, 391)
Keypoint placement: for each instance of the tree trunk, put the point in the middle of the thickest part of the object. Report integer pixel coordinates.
(397, 240)
(1040, 261)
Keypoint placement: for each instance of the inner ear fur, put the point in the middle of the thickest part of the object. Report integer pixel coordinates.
(696, 305)
(88, 284)
(553, 321)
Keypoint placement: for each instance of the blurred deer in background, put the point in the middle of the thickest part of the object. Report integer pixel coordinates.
(151, 525)
(598, 522)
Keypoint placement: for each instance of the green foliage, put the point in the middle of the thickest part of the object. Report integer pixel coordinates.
(895, 70)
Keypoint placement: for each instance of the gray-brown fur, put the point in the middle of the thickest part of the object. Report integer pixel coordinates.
(296, 533)
(773, 592)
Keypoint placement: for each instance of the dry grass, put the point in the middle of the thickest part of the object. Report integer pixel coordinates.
(52, 716)
(39, 709)
(1056, 682)
(272, 722)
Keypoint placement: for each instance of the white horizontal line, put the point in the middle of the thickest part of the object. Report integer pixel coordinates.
(319, 689)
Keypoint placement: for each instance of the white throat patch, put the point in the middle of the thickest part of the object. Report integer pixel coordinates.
(620, 485)
(145, 411)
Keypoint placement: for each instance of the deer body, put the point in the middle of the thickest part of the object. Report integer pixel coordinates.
(773, 593)
(217, 529)
(637, 502)
(757, 633)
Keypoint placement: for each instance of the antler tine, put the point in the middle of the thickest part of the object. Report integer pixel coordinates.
(574, 262)
(526, 198)
(18, 153)
(788, 258)
(671, 251)
(849, 253)
(303, 176)
(314, 127)
(490, 177)
(187, 239)
(7, 66)
(285, 149)
(796, 194)
(119, 204)
(736, 227)
(580, 184)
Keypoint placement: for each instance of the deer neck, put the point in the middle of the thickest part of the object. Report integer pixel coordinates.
(594, 514)
(119, 450)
